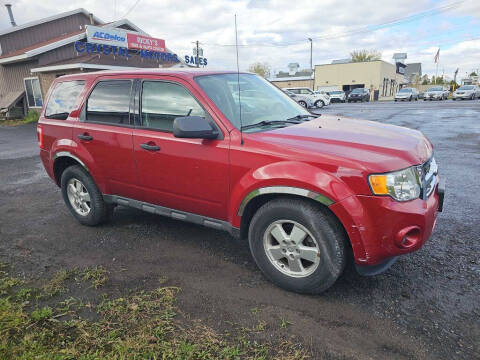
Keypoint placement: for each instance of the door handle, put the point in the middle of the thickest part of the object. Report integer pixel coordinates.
(150, 147)
(85, 137)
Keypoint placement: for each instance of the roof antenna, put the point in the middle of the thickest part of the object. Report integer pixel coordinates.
(238, 83)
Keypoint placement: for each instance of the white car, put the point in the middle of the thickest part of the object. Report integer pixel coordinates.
(337, 96)
(436, 93)
(406, 94)
(466, 92)
(310, 99)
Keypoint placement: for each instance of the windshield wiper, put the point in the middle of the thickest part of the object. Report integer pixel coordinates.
(270, 122)
(301, 117)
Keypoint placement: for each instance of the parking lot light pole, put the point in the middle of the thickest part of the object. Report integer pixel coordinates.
(311, 51)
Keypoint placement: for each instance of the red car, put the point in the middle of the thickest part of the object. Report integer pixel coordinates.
(233, 152)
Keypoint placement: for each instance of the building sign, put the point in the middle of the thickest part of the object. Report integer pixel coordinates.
(141, 42)
(120, 51)
(106, 36)
(400, 68)
(193, 60)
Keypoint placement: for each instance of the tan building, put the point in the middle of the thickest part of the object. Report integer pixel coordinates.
(379, 76)
(290, 82)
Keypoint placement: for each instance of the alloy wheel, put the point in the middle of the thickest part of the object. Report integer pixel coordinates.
(78, 197)
(291, 248)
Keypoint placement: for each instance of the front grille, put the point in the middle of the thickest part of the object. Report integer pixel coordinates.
(428, 172)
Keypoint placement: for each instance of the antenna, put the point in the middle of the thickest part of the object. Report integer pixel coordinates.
(238, 83)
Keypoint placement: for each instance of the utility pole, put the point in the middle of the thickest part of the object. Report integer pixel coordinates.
(197, 60)
(311, 52)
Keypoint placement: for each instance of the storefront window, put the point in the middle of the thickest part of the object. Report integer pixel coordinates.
(34, 94)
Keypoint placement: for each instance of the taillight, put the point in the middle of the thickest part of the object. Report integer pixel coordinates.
(40, 136)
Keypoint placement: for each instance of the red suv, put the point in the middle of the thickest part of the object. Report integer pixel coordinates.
(233, 152)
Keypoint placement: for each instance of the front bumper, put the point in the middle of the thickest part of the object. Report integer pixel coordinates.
(462, 96)
(381, 228)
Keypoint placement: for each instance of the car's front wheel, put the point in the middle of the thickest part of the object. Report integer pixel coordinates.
(303, 103)
(320, 104)
(83, 198)
(297, 245)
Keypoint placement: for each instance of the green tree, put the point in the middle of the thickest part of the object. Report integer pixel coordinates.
(365, 55)
(473, 73)
(262, 69)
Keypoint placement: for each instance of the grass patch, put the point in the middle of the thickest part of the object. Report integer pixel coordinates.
(32, 116)
(144, 325)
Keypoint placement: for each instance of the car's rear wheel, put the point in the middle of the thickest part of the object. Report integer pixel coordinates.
(83, 198)
(319, 104)
(297, 245)
(303, 103)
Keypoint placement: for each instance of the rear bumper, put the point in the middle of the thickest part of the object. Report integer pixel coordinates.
(381, 228)
(47, 163)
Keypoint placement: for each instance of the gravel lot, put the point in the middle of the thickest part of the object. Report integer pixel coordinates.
(426, 306)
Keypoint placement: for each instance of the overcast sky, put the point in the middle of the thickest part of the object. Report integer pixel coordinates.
(276, 31)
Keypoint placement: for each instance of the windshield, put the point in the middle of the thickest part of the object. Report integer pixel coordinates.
(335, 92)
(435, 89)
(357, 91)
(406, 90)
(260, 100)
(467, 87)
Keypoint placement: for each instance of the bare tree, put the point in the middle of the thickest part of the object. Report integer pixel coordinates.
(262, 69)
(365, 55)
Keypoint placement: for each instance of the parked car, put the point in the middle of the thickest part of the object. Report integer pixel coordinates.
(303, 100)
(337, 96)
(436, 93)
(466, 92)
(311, 99)
(405, 94)
(421, 95)
(359, 94)
(310, 193)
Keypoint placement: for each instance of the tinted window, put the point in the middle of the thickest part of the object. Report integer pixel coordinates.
(63, 98)
(162, 102)
(109, 102)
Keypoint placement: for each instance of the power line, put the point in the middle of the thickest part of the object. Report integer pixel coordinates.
(131, 9)
(360, 30)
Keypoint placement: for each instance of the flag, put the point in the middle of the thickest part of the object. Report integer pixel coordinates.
(437, 56)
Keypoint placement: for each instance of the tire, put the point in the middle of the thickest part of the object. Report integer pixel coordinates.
(303, 103)
(317, 224)
(321, 103)
(410, 99)
(473, 97)
(79, 178)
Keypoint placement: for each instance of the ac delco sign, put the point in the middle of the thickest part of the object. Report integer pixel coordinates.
(100, 35)
(141, 42)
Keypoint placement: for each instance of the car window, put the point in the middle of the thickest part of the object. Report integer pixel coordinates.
(109, 102)
(305, 91)
(62, 99)
(162, 102)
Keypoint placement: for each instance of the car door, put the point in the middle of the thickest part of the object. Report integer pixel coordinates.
(190, 175)
(104, 136)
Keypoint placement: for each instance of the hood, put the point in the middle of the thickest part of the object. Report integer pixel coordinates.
(366, 145)
(434, 92)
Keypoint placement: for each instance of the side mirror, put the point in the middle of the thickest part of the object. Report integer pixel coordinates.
(195, 127)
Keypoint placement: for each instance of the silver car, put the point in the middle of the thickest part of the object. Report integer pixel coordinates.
(309, 98)
(406, 94)
(436, 93)
(337, 96)
(466, 92)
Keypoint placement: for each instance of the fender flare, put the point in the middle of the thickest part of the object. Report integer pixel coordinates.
(290, 190)
(69, 154)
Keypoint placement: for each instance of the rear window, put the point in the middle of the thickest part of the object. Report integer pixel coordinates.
(109, 102)
(63, 99)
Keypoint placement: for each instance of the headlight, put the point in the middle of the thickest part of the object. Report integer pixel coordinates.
(402, 185)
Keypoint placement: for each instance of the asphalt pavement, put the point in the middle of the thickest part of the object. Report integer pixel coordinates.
(425, 307)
